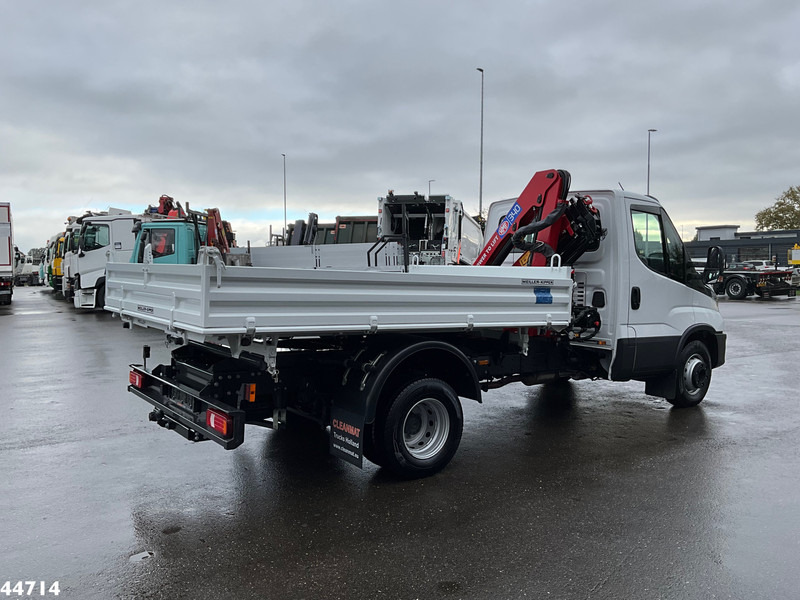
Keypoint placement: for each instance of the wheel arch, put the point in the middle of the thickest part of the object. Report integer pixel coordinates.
(428, 358)
(666, 385)
(712, 340)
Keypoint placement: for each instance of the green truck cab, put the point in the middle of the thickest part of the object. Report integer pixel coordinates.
(171, 241)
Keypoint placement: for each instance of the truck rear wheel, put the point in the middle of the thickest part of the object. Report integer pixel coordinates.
(694, 375)
(421, 429)
(735, 289)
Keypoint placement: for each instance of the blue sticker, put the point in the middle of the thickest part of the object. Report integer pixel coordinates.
(543, 295)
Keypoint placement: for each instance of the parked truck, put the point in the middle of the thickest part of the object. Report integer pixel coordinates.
(742, 281)
(71, 241)
(176, 237)
(437, 229)
(383, 354)
(100, 236)
(24, 268)
(56, 249)
(6, 254)
(344, 230)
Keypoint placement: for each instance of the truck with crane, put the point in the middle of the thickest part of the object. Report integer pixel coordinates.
(382, 353)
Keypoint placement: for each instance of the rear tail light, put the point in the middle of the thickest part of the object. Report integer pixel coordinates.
(219, 421)
(136, 379)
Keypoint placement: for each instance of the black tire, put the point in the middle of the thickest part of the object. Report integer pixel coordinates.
(100, 297)
(694, 375)
(372, 448)
(420, 429)
(736, 289)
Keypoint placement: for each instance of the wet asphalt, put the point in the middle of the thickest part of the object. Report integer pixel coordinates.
(593, 490)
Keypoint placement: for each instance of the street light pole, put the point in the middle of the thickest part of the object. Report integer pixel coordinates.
(429, 188)
(285, 228)
(649, 132)
(480, 185)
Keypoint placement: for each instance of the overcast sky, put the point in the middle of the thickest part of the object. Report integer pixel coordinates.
(113, 103)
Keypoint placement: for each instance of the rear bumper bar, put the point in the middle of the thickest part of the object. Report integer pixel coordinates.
(184, 410)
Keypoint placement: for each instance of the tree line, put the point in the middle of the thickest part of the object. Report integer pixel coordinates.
(784, 214)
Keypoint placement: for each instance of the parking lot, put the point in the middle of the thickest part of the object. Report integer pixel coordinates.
(593, 490)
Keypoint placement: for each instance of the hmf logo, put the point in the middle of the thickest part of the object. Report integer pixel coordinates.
(509, 219)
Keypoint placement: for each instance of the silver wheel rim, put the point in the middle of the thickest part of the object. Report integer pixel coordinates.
(426, 428)
(695, 374)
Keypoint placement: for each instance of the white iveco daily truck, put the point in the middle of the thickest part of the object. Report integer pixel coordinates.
(383, 354)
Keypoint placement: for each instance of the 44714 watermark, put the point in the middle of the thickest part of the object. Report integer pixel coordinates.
(30, 588)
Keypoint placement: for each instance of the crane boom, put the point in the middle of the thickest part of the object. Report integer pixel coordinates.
(568, 227)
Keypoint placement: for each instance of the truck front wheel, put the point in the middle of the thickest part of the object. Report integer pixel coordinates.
(694, 375)
(100, 297)
(735, 289)
(421, 429)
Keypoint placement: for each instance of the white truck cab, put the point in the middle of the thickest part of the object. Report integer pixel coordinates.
(71, 242)
(101, 236)
(650, 298)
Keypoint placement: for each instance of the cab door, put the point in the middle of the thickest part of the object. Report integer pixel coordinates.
(660, 295)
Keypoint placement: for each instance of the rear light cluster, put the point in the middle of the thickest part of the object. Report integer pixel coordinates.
(136, 379)
(219, 421)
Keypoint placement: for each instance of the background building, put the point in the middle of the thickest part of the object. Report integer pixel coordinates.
(750, 245)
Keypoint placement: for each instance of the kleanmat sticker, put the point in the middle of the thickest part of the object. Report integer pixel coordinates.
(346, 441)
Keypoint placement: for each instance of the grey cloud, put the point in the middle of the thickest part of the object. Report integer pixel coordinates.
(117, 102)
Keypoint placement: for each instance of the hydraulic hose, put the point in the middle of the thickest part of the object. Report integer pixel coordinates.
(518, 239)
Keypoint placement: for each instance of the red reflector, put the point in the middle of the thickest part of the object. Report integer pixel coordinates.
(219, 421)
(136, 379)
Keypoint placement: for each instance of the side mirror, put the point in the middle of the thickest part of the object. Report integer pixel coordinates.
(715, 265)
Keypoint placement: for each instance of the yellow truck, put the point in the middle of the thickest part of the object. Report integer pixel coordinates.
(55, 256)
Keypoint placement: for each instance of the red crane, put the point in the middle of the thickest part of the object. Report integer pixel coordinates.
(568, 227)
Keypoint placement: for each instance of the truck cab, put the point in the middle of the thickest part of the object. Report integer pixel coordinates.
(72, 238)
(100, 236)
(56, 258)
(170, 241)
(652, 303)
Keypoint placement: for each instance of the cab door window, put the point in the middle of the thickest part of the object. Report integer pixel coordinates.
(648, 240)
(94, 237)
(162, 241)
(659, 246)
